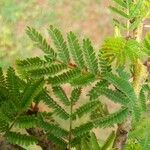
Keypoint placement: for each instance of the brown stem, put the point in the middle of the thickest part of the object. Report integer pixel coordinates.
(122, 134)
(4, 145)
(43, 141)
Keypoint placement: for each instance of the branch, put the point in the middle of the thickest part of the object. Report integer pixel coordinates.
(4, 145)
(43, 141)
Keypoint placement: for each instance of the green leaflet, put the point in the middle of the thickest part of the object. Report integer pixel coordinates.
(75, 95)
(85, 145)
(2, 78)
(95, 92)
(12, 82)
(60, 93)
(47, 71)
(122, 73)
(112, 119)
(145, 142)
(109, 141)
(121, 3)
(60, 142)
(75, 50)
(94, 142)
(60, 44)
(53, 129)
(121, 50)
(30, 64)
(115, 96)
(58, 110)
(142, 99)
(147, 44)
(90, 57)
(64, 77)
(136, 8)
(3, 125)
(119, 12)
(31, 90)
(122, 85)
(20, 139)
(82, 129)
(40, 42)
(83, 80)
(134, 12)
(119, 24)
(26, 122)
(104, 63)
(85, 109)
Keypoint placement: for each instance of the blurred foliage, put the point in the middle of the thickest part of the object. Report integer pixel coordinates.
(15, 15)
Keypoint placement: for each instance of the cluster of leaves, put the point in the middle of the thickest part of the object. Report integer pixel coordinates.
(130, 13)
(74, 64)
(68, 61)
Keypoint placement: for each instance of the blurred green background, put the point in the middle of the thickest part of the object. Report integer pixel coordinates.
(85, 17)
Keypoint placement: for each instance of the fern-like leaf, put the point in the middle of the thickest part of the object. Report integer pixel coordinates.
(122, 85)
(104, 63)
(75, 50)
(85, 109)
(94, 142)
(14, 83)
(119, 12)
(94, 93)
(4, 125)
(112, 119)
(20, 139)
(53, 129)
(90, 57)
(26, 122)
(109, 141)
(121, 3)
(60, 93)
(64, 77)
(47, 71)
(59, 141)
(75, 95)
(40, 42)
(31, 90)
(58, 110)
(115, 96)
(2, 78)
(142, 99)
(147, 44)
(82, 129)
(83, 80)
(60, 44)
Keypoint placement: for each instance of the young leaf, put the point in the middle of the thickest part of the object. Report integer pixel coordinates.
(121, 3)
(119, 12)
